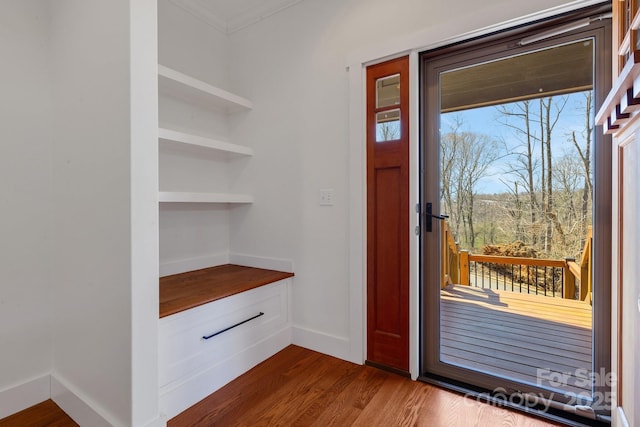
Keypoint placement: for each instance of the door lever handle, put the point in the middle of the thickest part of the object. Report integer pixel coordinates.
(430, 215)
(437, 216)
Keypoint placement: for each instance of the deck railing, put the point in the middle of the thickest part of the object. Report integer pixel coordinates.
(552, 277)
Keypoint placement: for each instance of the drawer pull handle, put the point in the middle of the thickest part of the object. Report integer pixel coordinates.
(232, 326)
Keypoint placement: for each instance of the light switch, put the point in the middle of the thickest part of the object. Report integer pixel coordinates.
(326, 197)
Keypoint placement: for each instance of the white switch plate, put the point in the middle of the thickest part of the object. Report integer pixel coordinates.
(326, 197)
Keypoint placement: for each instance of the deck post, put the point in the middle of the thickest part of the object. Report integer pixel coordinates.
(444, 256)
(585, 268)
(464, 267)
(569, 285)
(454, 266)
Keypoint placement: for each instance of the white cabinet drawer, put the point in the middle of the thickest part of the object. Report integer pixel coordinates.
(183, 352)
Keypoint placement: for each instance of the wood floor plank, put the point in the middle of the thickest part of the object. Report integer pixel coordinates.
(228, 405)
(563, 320)
(510, 336)
(532, 313)
(569, 311)
(516, 318)
(518, 344)
(43, 414)
(580, 344)
(513, 335)
(508, 333)
(521, 373)
(324, 390)
(487, 362)
(521, 323)
(348, 405)
(305, 388)
(384, 407)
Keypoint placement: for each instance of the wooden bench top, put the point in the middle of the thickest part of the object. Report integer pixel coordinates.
(183, 291)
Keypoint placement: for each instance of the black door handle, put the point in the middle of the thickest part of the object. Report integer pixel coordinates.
(430, 215)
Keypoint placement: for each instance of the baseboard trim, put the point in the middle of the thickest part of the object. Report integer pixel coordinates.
(30, 393)
(161, 421)
(267, 263)
(180, 266)
(323, 343)
(76, 407)
(621, 419)
(184, 265)
(175, 398)
(25, 395)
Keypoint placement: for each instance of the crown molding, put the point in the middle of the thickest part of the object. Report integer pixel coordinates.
(256, 15)
(199, 9)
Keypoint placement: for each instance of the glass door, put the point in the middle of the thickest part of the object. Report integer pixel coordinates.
(511, 277)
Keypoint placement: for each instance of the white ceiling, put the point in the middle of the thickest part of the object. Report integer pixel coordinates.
(232, 15)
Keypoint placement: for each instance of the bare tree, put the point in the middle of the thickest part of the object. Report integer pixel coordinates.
(584, 152)
(551, 109)
(534, 172)
(526, 162)
(465, 159)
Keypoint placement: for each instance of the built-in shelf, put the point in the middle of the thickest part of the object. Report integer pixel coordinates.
(172, 136)
(175, 84)
(192, 197)
(183, 291)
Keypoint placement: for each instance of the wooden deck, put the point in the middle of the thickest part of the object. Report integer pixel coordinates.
(513, 335)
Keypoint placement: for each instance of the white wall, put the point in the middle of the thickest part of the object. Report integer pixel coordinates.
(26, 200)
(92, 302)
(143, 55)
(293, 67)
(190, 45)
(99, 142)
(193, 236)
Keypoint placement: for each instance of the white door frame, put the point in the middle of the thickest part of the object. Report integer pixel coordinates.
(411, 45)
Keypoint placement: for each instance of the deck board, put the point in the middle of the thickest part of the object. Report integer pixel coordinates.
(514, 335)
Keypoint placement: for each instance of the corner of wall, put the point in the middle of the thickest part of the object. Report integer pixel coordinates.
(190, 264)
(268, 263)
(332, 345)
(75, 406)
(25, 395)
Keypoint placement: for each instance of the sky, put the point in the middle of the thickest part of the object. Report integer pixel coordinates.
(488, 121)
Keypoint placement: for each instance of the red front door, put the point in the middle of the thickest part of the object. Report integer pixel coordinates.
(388, 214)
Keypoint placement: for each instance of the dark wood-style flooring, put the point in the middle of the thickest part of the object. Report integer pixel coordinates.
(43, 414)
(300, 387)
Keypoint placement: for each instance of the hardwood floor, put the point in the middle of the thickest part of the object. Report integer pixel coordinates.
(299, 387)
(43, 414)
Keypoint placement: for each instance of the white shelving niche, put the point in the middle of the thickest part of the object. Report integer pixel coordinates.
(205, 285)
(202, 95)
(176, 84)
(196, 197)
(175, 137)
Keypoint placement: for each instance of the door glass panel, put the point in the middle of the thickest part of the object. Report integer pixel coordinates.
(388, 125)
(388, 91)
(516, 182)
